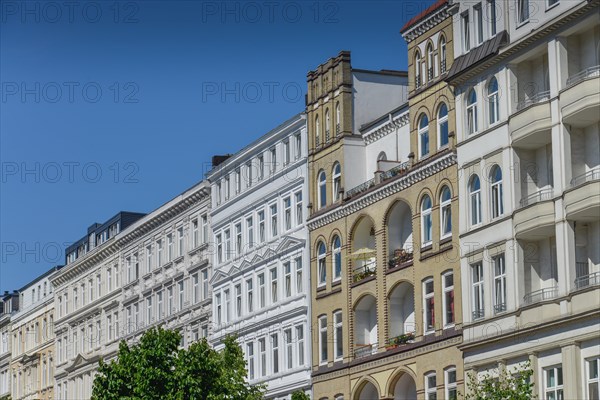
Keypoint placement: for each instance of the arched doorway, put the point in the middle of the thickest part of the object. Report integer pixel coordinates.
(405, 388)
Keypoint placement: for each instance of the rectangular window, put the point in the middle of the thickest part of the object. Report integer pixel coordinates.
(219, 249)
(298, 146)
(593, 366)
(169, 247)
(195, 234)
(477, 285)
(323, 340)
(448, 287)
(287, 213)
(227, 314)
(205, 284)
(238, 181)
(274, 286)
(196, 290)
(148, 259)
(159, 253)
(273, 209)
(249, 176)
(289, 348)
(492, 16)
(275, 353)
(465, 30)
(170, 306)
(226, 184)
(218, 193)
(149, 310)
(227, 244)
(299, 216)
(250, 352)
(286, 152)
(160, 310)
(261, 226)
(551, 3)
(479, 22)
(338, 336)
(204, 229)
(300, 344)
(499, 284)
(553, 383)
(522, 11)
(430, 387)
(273, 160)
(181, 300)
(249, 296)
(238, 300)
(250, 231)
(262, 350)
(218, 309)
(238, 239)
(287, 267)
(299, 282)
(180, 242)
(261, 290)
(428, 306)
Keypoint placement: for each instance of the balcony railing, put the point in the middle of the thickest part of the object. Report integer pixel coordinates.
(591, 175)
(443, 66)
(367, 270)
(364, 350)
(430, 74)
(478, 314)
(338, 129)
(540, 295)
(584, 281)
(400, 258)
(417, 81)
(591, 72)
(540, 195)
(390, 173)
(498, 308)
(536, 98)
(327, 136)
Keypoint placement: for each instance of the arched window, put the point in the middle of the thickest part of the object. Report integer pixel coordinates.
(442, 125)
(442, 55)
(317, 131)
(496, 195)
(381, 157)
(337, 118)
(426, 225)
(336, 250)
(430, 69)
(322, 264)
(445, 212)
(475, 200)
(322, 189)
(492, 93)
(471, 112)
(418, 69)
(337, 181)
(423, 135)
(327, 125)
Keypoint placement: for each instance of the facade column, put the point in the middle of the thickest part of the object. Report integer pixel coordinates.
(536, 378)
(565, 253)
(571, 371)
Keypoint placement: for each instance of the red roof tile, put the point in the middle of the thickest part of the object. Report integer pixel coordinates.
(422, 15)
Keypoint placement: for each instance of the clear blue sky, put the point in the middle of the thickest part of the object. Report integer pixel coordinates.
(108, 108)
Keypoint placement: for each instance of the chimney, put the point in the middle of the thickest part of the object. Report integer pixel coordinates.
(219, 159)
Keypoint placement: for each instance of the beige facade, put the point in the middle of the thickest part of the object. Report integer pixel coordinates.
(388, 324)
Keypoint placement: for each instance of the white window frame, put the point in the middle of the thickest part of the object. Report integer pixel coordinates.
(500, 295)
(426, 222)
(522, 12)
(427, 296)
(262, 356)
(261, 226)
(299, 275)
(478, 19)
(275, 356)
(287, 213)
(336, 255)
(287, 278)
(441, 121)
(493, 102)
(250, 231)
(299, 210)
(477, 291)
(323, 355)
(446, 289)
(238, 300)
(430, 387)
(251, 365)
(496, 194)
(450, 386)
(321, 265)
(445, 213)
(337, 181)
(274, 287)
(249, 295)
(289, 348)
(300, 345)
(238, 238)
(338, 336)
(423, 132)
(274, 220)
(466, 34)
(262, 290)
(474, 201)
(471, 120)
(322, 189)
(591, 380)
(558, 388)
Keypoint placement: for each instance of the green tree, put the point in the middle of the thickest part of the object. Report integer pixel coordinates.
(300, 395)
(156, 369)
(506, 385)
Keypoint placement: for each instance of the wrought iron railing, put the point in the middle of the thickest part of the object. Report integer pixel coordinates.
(478, 314)
(540, 195)
(591, 175)
(591, 72)
(364, 350)
(584, 281)
(498, 308)
(430, 74)
(360, 188)
(327, 136)
(443, 66)
(540, 295)
(395, 171)
(338, 129)
(536, 98)
(367, 270)
(404, 257)
(417, 81)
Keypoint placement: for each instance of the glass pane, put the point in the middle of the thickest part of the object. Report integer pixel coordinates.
(593, 368)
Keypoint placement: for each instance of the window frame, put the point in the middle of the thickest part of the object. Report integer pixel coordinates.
(428, 297)
(477, 291)
(496, 193)
(499, 276)
(321, 264)
(426, 221)
(475, 214)
(445, 213)
(423, 134)
(430, 387)
(323, 350)
(336, 256)
(338, 336)
(471, 109)
(442, 121)
(493, 101)
(321, 189)
(445, 290)
(558, 387)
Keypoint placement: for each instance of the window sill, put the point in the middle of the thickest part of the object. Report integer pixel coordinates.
(522, 23)
(552, 6)
(321, 287)
(445, 239)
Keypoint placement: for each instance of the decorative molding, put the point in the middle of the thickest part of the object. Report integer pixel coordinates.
(419, 28)
(389, 127)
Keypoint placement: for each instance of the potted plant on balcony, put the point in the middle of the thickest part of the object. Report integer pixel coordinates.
(400, 340)
(401, 256)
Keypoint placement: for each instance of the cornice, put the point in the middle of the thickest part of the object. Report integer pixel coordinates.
(394, 186)
(426, 24)
(389, 127)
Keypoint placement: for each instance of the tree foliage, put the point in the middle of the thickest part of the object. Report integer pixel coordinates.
(300, 395)
(506, 385)
(156, 369)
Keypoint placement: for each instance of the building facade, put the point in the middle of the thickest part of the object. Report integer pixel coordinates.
(383, 252)
(261, 281)
(9, 305)
(526, 80)
(33, 352)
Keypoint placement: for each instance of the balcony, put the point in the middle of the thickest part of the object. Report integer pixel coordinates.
(443, 66)
(540, 195)
(327, 135)
(338, 130)
(364, 350)
(365, 271)
(584, 281)
(536, 215)
(499, 308)
(478, 314)
(583, 201)
(402, 258)
(580, 101)
(540, 295)
(387, 175)
(531, 125)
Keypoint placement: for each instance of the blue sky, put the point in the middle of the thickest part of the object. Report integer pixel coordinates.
(109, 106)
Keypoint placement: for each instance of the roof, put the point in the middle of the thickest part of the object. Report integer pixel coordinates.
(488, 48)
(423, 14)
(40, 277)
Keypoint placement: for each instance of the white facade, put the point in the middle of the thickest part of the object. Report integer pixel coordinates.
(123, 286)
(527, 125)
(9, 306)
(261, 257)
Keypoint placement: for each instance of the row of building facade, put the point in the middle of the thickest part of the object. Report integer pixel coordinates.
(408, 228)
